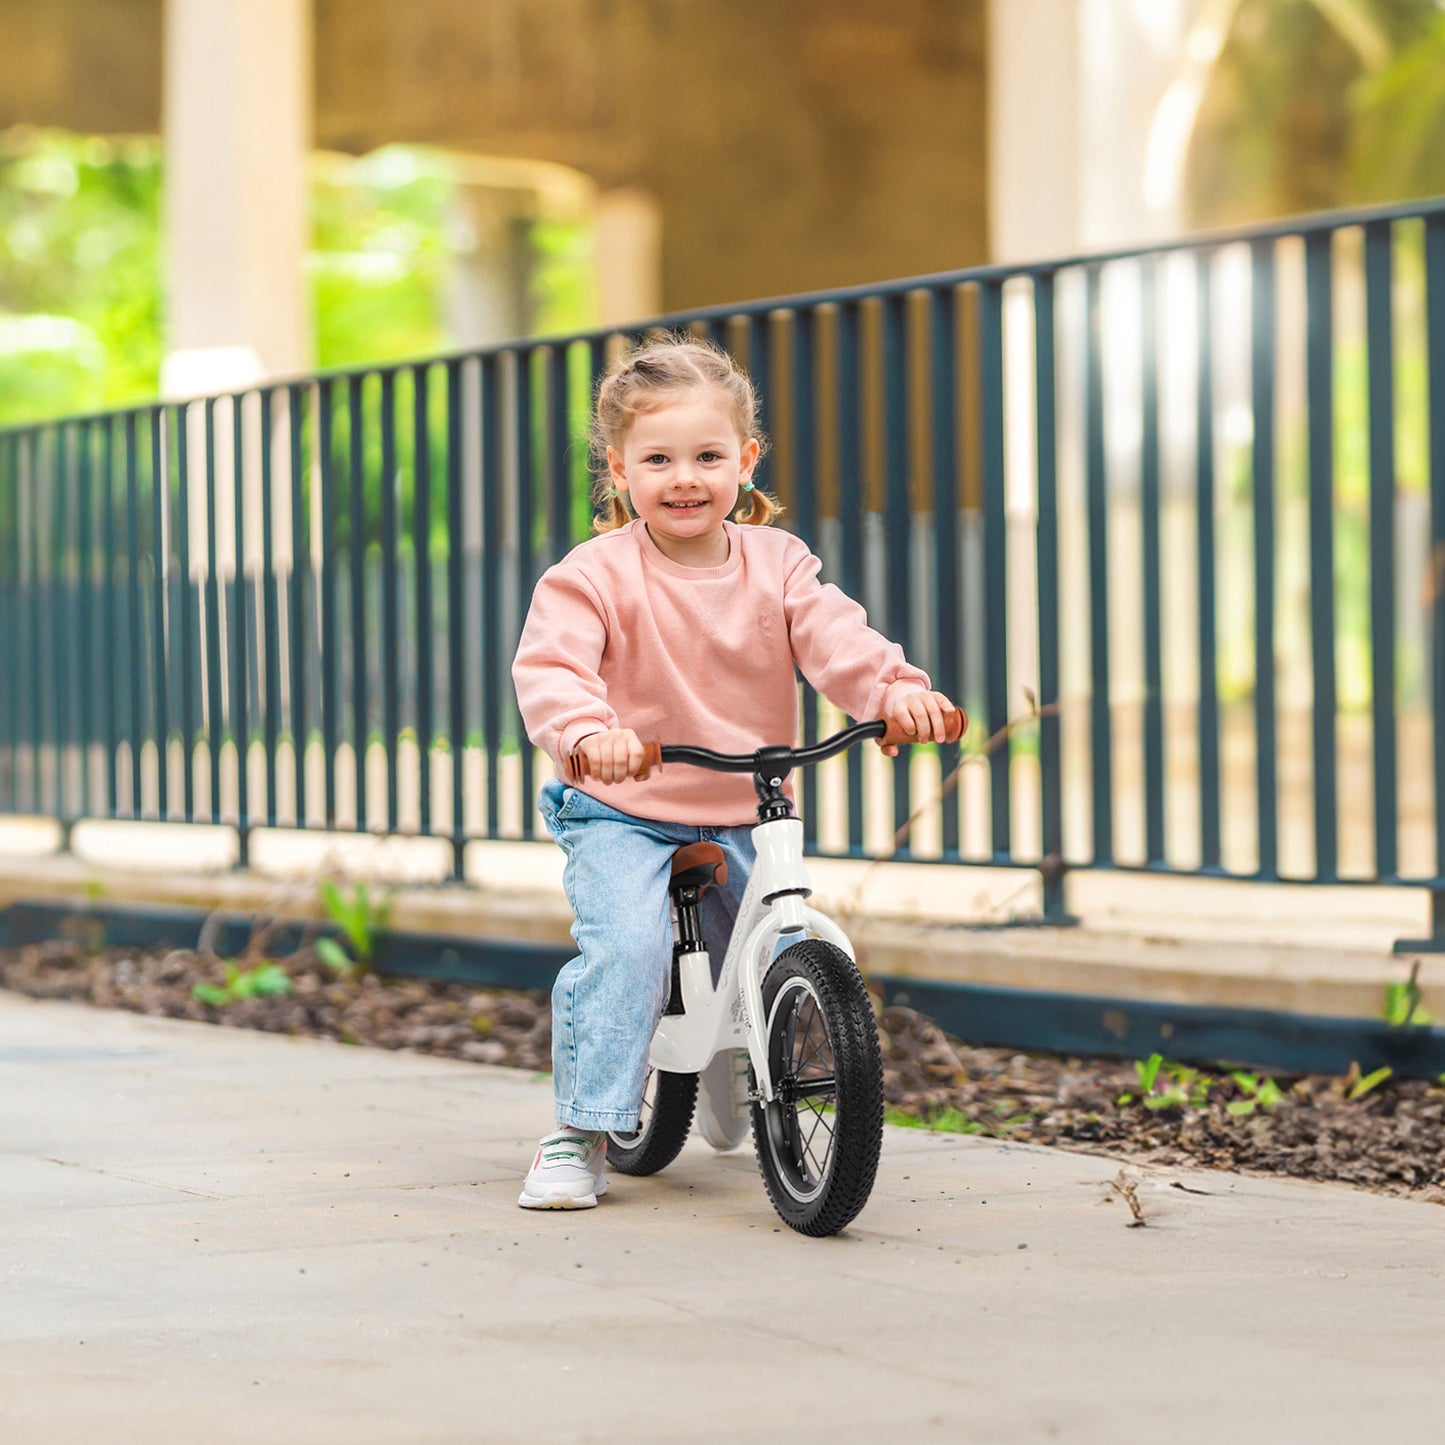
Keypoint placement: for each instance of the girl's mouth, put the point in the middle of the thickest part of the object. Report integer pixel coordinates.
(683, 506)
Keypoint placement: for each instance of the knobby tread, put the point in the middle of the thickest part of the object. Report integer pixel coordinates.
(666, 1132)
(858, 1106)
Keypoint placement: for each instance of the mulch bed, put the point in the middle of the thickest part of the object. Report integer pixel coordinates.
(1391, 1138)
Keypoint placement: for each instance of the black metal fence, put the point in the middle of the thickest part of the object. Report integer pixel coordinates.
(1168, 522)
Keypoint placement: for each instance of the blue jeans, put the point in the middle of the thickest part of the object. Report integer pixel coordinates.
(607, 1001)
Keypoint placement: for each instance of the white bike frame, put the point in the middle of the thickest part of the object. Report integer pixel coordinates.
(730, 1016)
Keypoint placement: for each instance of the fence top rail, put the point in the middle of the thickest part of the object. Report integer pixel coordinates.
(1313, 223)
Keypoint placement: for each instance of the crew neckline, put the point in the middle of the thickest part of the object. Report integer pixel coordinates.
(656, 557)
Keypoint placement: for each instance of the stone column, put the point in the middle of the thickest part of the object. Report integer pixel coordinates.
(237, 123)
(1089, 109)
(1034, 180)
(629, 256)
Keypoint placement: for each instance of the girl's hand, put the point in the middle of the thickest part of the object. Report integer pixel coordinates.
(611, 757)
(921, 715)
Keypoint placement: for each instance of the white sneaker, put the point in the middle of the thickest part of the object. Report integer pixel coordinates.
(567, 1172)
(723, 1113)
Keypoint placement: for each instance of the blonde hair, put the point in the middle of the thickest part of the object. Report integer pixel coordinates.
(644, 379)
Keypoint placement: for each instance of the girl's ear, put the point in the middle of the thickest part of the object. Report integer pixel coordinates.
(749, 459)
(615, 470)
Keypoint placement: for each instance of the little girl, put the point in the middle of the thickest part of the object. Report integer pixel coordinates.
(678, 624)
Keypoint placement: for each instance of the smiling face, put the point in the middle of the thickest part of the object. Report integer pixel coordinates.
(681, 465)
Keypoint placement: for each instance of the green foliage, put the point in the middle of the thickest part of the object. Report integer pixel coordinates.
(80, 292)
(1165, 1085)
(1316, 105)
(1399, 141)
(360, 917)
(379, 255)
(1360, 1086)
(944, 1121)
(81, 289)
(1259, 1093)
(1402, 1002)
(266, 980)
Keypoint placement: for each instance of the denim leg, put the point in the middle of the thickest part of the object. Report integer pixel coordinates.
(607, 1000)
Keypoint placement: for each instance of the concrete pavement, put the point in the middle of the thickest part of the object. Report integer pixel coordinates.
(217, 1235)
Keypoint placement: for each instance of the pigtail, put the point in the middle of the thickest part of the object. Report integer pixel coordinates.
(609, 511)
(756, 508)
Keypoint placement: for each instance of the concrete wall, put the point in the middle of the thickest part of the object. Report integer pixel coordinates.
(792, 146)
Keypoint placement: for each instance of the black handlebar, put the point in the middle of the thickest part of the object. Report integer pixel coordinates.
(773, 757)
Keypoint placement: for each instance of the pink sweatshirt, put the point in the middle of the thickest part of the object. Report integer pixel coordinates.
(619, 635)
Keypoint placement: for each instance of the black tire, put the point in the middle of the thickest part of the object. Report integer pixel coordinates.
(818, 1141)
(667, 1104)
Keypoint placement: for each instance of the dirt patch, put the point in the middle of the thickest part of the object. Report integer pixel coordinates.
(1379, 1134)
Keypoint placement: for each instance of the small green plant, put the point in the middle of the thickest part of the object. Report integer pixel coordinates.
(1179, 1086)
(1259, 1093)
(1357, 1086)
(1403, 1007)
(944, 1121)
(266, 980)
(360, 918)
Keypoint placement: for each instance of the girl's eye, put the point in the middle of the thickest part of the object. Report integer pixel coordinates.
(710, 457)
(655, 459)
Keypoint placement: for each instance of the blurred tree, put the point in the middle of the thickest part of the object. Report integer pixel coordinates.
(1314, 104)
(81, 298)
(79, 247)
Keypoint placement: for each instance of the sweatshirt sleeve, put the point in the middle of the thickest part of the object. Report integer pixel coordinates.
(851, 664)
(560, 693)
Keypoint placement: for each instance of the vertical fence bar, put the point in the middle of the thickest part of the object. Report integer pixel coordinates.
(213, 619)
(1262, 361)
(189, 607)
(1153, 595)
(995, 551)
(456, 655)
(1096, 489)
(356, 502)
(270, 609)
(1047, 540)
(493, 677)
(850, 517)
(109, 560)
(35, 679)
(1435, 342)
(559, 492)
(9, 620)
(1320, 393)
(239, 641)
(55, 620)
(329, 562)
(760, 368)
(62, 643)
(1379, 340)
(943, 411)
(421, 560)
(526, 554)
(296, 595)
(160, 499)
(390, 623)
(805, 507)
(897, 521)
(85, 607)
(133, 612)
(1210, 855)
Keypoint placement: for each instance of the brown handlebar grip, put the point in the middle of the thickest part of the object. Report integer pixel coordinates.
(957, 724)
(575, 768)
